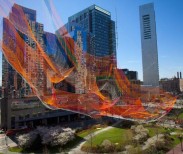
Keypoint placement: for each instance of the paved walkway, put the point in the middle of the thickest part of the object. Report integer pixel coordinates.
(6, 142)
(77, 149)
(176, 150)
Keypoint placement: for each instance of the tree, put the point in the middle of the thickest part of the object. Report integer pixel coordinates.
(52, 136)
(26, 140)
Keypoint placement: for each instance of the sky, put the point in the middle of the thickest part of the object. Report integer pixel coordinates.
(169, 27)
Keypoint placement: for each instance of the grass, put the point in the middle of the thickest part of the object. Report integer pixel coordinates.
(115, 135)
(15, 149)
(72, 143)
(86, 132)
(154, 130)
(181, 116)
(176, 140)
(93, 129)
(21, 150)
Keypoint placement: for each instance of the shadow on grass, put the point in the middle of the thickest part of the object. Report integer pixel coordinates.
(74, 143)
(23, 151)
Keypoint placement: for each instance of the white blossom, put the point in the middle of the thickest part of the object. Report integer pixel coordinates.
(50, 136)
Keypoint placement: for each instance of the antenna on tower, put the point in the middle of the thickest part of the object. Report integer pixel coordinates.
(116, 30)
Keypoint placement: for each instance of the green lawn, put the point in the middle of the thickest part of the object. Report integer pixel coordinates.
(115, 135)
(154, 130)
(176, 140)
(21, 150)
(90, 130)
(15, 149)
(181, 116)
(86, 132)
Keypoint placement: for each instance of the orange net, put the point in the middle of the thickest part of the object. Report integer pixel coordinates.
(97, 87)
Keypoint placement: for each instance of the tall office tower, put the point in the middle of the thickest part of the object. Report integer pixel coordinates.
(149, 45)
(97, 22)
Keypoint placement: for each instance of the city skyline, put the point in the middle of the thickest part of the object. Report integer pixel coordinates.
(129, 46)
(64, 88)
(94, 91)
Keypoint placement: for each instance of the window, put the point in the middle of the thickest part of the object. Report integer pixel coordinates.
(147, 27)
(34, 115)
(81, 17)
(21, 117)
(27, 116)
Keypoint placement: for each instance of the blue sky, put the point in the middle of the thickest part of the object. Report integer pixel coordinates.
(169, 25)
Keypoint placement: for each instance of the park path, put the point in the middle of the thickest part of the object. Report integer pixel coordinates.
(176, 150)
(77, 149)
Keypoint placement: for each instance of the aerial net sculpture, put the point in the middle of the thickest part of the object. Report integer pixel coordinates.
(64, 75)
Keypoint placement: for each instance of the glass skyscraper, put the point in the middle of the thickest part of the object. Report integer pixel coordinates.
(97, 22)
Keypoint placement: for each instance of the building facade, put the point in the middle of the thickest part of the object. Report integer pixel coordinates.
(19, 107)
(100, 40)
(97, 22)
(131, 75)
(149, 45)
(95, 35)
(174, 85)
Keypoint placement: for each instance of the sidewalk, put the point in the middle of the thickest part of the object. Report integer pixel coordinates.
(5, 143)
(176, 150)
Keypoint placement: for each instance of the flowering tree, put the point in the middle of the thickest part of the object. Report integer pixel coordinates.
(64, 137)
(141, 133)
(26, 140)
(49, 136)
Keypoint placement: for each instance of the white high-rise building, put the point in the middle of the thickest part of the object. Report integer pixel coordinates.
(149, 45)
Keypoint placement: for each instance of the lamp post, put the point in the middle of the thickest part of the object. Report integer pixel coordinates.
(91, 137)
